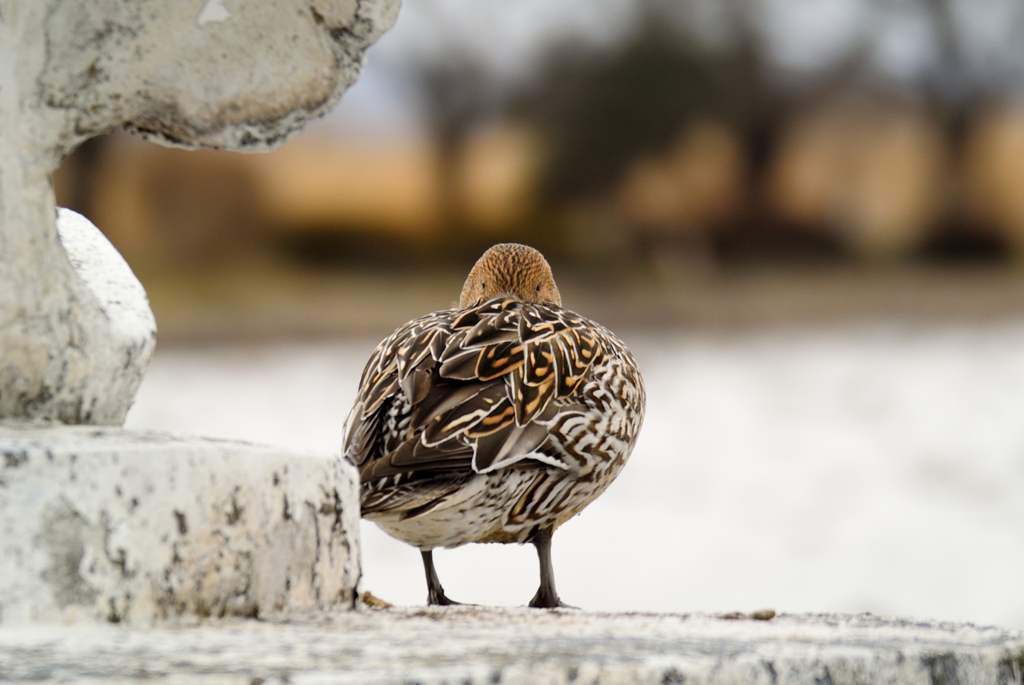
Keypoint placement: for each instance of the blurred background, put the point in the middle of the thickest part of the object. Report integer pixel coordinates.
(806, 217)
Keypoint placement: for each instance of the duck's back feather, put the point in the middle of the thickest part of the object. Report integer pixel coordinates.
(463, 392)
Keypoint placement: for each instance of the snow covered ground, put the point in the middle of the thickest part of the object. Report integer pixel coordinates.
(860, 468)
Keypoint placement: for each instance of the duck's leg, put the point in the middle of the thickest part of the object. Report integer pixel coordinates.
(435, 593)
(547, 596)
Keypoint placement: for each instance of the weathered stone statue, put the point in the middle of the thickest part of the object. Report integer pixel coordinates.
(105, 524)
(76, 332)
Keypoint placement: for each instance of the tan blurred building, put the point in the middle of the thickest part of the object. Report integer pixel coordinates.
(993, 174)
(496, 178)
(880, 178)
(699, 184)
(160, 204)
(877, 177)
(163, 205)
(317, 183)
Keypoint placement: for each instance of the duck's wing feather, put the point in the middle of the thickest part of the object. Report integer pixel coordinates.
(457, 393)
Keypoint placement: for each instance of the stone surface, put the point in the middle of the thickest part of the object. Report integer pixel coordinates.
(479, 645)
(106, 525)
(123, 347)
(220, 73)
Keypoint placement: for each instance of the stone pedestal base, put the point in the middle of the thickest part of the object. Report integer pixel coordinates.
(103, 524)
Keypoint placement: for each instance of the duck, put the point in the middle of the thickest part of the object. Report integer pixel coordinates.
(494, 421)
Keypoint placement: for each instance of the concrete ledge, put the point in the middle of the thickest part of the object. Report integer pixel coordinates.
(478, 645)
(103, 524)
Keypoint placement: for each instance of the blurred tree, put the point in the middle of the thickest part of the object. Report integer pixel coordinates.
(609, 112)
(601, 110)
(458, 96)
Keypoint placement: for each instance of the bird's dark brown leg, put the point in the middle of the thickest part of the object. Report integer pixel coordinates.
(547, 596)
(435, 593)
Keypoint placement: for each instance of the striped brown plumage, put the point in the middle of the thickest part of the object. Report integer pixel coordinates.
(493, 422)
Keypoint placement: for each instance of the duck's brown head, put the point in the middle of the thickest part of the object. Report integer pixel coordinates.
(510, 269)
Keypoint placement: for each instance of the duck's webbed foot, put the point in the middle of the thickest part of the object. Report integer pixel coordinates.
(547, 598)
(438, 598)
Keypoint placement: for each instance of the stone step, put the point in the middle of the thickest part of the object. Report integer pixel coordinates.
(109, 525)
(483, 645)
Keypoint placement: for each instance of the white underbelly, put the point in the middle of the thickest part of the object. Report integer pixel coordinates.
(488, 508)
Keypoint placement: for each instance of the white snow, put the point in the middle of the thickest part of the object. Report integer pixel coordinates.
(861, 468)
